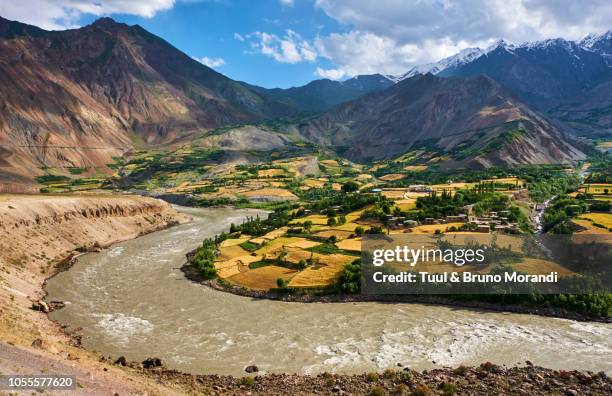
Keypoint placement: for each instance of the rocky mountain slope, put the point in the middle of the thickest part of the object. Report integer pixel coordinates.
(473, 121)
(80, 97)
(320, 95)
(565, 79)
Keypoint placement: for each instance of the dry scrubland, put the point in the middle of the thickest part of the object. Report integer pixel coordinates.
(38, 232)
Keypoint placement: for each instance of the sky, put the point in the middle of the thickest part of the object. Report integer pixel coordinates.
(283, 43)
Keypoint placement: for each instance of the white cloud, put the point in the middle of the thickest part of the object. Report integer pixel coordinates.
(390, 36)
(332, 74)
(290, 48)
(211, 62)
(238, 36)
(62, 14)
(288, 3)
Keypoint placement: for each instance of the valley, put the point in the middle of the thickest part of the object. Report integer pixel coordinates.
(167, 229)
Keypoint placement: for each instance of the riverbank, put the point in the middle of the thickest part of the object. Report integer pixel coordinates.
(321, 297)
(39, 234)
(485, 379)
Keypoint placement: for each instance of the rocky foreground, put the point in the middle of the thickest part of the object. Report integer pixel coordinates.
(487, 379)
(39, 235)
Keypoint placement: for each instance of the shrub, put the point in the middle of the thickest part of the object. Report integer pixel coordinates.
(377, 391)
(247, 381)
(421, 390)
(372, 377)
(281, 283)
(388, 373)
(350, 186)
(448, 388)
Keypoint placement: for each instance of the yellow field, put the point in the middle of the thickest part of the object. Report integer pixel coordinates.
(406, 204)
(394, 193)
(229, 252)
(606, 145)
(303, 244)
(589, 228)
(228, 268)
(263, 278)
(336, 186)
(312, 183)
(349, 226)
(339, 234)
(416, 168)
(536, 266)
(364, 176)
(598, 188)
(431, 228)
(605, 219)
(316, 219)
(323, 273)
(330, 162)
(270, 172)
(234, 241)
(275, 192)
(451, 186)
(276, 245)
(353, 244)
(392, 177)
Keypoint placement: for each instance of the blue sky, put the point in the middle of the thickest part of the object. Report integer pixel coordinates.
(283, 43)
(213, 29)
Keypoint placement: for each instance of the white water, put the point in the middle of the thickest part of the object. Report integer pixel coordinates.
(133, 300)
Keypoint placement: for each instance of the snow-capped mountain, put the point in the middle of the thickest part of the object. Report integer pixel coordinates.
(599, 43)
(465, 56)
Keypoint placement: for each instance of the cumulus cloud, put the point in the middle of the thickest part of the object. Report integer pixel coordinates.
(390, 36)
(291, 48)
(211, 62)
(62, 14)
(332, 74)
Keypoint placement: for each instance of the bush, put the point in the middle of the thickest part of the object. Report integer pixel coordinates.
(281, 283)
(388, 373)
(448, 388)
(350, 186)
(377, 391)
(372, 377)
(247, 381)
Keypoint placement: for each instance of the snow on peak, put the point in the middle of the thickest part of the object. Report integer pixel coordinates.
(463, 57)
(591, 40)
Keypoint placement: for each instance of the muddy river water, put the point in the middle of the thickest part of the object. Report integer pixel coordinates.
(133, 300)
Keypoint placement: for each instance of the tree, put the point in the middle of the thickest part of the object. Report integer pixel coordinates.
(350, 186)
(359, 230)
(281, 283)
(331, 221)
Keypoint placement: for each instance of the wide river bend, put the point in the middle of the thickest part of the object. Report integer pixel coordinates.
(133, 300)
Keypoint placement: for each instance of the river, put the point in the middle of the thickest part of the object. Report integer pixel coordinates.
(133, 300)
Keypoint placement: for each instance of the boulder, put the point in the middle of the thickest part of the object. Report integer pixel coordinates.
(152, 362)
(251, 369)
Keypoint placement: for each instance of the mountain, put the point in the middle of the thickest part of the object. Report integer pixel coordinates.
(544, 74)
(461, 58)
(471, 122)
(320, 95)
(600, 43)
(78, 98)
